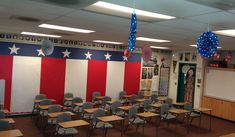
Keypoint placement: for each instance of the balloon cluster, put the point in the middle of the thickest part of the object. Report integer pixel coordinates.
(133, 30)
(47, 47)
(207, 44)
(146, 53)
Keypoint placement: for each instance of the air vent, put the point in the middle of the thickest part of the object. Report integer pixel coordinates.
(24, 18)
(219, 4)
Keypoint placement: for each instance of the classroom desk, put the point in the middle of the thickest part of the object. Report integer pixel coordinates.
(113, 118)
(68, 99)
(110, 102)
(99, 97)
(229, 135)
(38, 101)
(78, 104)
(11, 133)
(125, 108)
(147, 95)
(10, 120)
(178, 112)
(203, 110)
(146, 115)
(179, 104)
(92, 110)
(127, 96)
(140, 100)
(156, 105)
(45, 107)
(55, 114)
(73, 123)
(162, 98)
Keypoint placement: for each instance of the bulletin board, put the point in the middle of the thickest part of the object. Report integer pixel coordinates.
(164, 81)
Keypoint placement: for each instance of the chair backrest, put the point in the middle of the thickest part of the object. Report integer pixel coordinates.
(63, 117)
(98, 113)
(169, 101)
(2, 114)
(146, 104)
(133, 99)
(77, 100)
(115, 105)
(40, 97)
(132, 112)
(122, 94)
(164, 109)
(68, 95)
(154, 98)
(105, 99)
(46, 102)
(54, 108)
(141, 94)
(188, 106)
(4, 125)
(95, 94)
(87, 105)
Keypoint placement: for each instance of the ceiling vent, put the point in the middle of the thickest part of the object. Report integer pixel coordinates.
(219, 4)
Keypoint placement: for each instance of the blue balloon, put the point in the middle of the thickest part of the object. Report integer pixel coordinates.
(131, 42)
(207, 44)
(133, 27)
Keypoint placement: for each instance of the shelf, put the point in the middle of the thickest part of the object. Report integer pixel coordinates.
(223, 69)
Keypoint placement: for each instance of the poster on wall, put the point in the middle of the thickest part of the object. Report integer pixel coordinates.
(194, 57)
(187, 56)
(181, 56)
(164, 81)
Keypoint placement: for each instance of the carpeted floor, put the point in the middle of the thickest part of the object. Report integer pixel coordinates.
(219, 127)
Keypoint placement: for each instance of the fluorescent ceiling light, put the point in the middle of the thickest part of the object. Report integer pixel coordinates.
(40, 34)
(151, 39)
(196, 46)
(157, 47)
(56, 27)
(108, 42)
(229, 32)
(122, 11)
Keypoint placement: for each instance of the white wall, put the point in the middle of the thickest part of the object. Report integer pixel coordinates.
(174, 77)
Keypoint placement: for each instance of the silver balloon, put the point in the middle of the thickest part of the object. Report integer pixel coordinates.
(47, 47)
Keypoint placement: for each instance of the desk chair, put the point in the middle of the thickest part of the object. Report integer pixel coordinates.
(121, 97)
(153, 98)
(133, 100)
(68, 103)
(104, 102)
(99, 124)
(43, 113)
(141, 94)
(75, 108)
(85, 115)
(192, 114)
(94, 95)
(165, 115)
(35, 106)
(2, 114)
(115, 110)
(147, 106)
(133, 119)
(4, 125)
(64, 131)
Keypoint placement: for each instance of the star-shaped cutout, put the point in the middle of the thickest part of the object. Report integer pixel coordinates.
(88, 55)
(40, 52)
(14, 49)
(107, 56)
(66, 53)
(125, 58)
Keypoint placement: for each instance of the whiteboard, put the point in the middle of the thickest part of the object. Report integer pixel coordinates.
(220, 84)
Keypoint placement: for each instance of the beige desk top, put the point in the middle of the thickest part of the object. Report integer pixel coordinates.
(99, 97)
(78, 104)
(10, 120)
(54, 115)
(91, 110)
(202, 109)
(11, 133)
(179, 103)
(45, 107)
(110, 118)
(38, 101)
(73, 123)
(156, 105)
(110, 102)
(229, 135)
(178, 111)
(68, 99)
(140, 100)
(147, 114)
(162, 98)
(125, 108)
